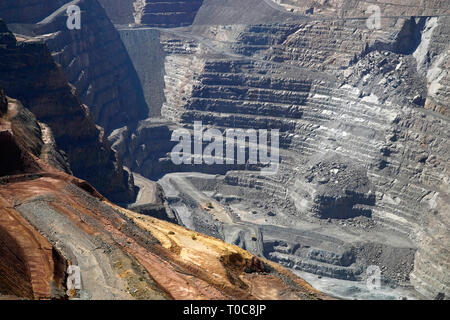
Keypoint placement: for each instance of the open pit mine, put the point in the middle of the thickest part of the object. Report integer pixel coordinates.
(95, 95)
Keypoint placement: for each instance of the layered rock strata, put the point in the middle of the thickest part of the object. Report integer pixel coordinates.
(27, 11)
(52, 223)
(152, 13)
(30, 74)
(93, 59)
(363, 143)
(361, 8)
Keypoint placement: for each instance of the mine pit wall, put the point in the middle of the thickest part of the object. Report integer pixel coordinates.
(147, 151)
(321, 118)
(13, 281)
(180, 81)
(97, 64)
(146, 53)
(190, 82)
(166, 68)
(93, 58)
(436, 41)
(340, 260)
(39, 269)
(166, 13)
(343, 8)
(32, 76)
(152, 13)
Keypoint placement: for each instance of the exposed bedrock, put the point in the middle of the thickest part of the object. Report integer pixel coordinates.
(344, 261)
(341, 190)
(30, 266)
(93, 59)
(97, 64)
(151, 200)
(433, 58)
(124, 255)
(166, 14)
(147, 150)
(359, 8)
(15, 160)
(3, 103)
(27, 11)
(363, 136)
(147, 54)
(20, 128)
(30, 74)
(119, 11)
(152, 13)
(51, 222)
(218, 12)
(432, 259)
(239, 214)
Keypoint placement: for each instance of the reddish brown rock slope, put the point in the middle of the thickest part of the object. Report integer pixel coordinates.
(50, 220)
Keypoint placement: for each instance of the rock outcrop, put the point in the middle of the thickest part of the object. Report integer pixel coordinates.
(166, 14)
(152, 13)
(358, 8)
(97, 64)
(27, 11)
(363, 124)
(60, 239)
(362, 112)
(29, 268)
(23, 129)
(30, 75)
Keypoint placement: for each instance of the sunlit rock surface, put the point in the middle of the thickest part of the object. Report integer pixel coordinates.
(30, 75)
(361, 106)
(51, 221)
(363, 121)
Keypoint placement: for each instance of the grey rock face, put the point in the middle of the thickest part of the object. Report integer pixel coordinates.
(93, 58)
(142, 44)
(362, 115)
(152, 13)
(341, 190)
(30, 74)
(173, 13)
(363, 124)
(3, 103)
(28, 11)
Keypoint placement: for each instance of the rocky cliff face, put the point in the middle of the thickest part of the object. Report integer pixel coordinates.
(30, 74)
(142, 44)
(51, 223)
(166, 14)
(3, 103)
(27, 11)
(97, 64)
(357, 8)
(152, 13)
(120, 12)
(363, 127)
(93, 59)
